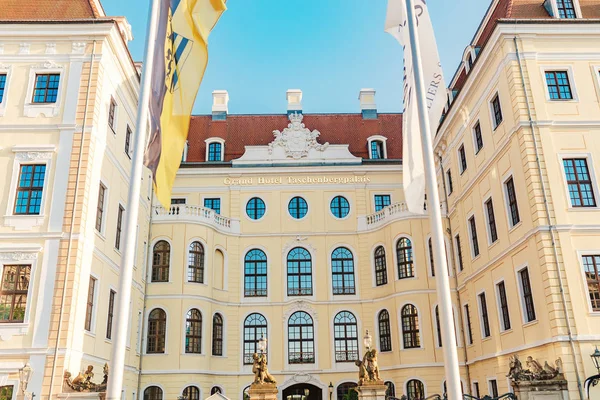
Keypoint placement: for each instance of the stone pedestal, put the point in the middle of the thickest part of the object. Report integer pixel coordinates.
(541, 390)
(372, 391)
(265, 391)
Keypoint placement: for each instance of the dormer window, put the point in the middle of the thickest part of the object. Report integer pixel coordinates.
(377, 147)
(215, 149)
(565, 9)
(185, 152)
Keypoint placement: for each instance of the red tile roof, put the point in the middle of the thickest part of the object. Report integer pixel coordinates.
(44, 10)
(248, 130)
(518, 10)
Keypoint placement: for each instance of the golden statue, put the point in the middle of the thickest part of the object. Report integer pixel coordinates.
(261, 371)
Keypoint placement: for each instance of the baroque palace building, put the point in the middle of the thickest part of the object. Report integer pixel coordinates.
(293, 226)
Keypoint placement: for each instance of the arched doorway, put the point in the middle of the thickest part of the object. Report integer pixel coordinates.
(303, 391)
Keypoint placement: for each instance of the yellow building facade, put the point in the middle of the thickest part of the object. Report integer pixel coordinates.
(293, 226)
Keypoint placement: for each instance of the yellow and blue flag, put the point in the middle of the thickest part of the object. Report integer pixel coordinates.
(180, 58)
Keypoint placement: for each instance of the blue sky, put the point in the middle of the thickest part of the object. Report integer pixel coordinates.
(328, 48)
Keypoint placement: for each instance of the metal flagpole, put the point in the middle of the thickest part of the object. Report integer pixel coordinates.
(437, 234)
(117, 359)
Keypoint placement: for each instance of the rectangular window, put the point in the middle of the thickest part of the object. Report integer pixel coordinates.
(459, 253)
(468, 323)
(13, 292)
(377, 150)
(462, 158)
(566, 9)
(382, 201)
(119, 227)
(214, 152)
(213, 204)
(100, 208)
(128, 142)
(493, 388)
(109, 317)
(2, 86)
(491, 219)
(29, 189)
(558, 84)
(449, 180)
(177, 201)
(476, 389)
(591, 267)
(474, 240)
(111, 114)
(497, 111)
(485, 319)
(503, 303)
(90, 304)
(527, 295)
(512, 202)
(46, 88)
(478, 137)
(579, 182)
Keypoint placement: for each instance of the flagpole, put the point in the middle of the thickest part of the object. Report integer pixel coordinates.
(117, 359)
(437, 234)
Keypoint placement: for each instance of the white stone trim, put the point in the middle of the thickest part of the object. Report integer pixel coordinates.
(28, 155)
(5, 69)
(590, 164)
(568, 68)
(211, 140)
(49, 110)
(383, 141)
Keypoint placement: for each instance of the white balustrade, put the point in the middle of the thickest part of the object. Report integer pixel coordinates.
(196, 214)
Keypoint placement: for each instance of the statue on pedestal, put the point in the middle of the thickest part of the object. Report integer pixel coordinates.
(535, 371)
(83, 381)
(261, 371)
(368, 368)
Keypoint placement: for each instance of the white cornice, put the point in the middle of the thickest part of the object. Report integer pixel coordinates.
(228, 172)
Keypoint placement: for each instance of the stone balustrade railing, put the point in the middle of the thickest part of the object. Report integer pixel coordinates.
(202, 215)
(388, 214)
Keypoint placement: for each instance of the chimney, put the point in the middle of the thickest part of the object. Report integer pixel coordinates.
(368, 108)
(294, 100)
(219, 107)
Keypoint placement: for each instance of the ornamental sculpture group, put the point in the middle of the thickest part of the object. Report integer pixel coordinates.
(534, 371)
(368, 369)
(83, 381)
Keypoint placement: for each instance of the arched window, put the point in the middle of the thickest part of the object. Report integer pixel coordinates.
(385, 335)
(415, 390)
(191, 393)
(340, 208)
(404, 254)
(255, 327)
(193, 332)
(196, 263)
(214, 151)
(410, 327)
(217, 336)
(391, 390)
(255, 274)
(299, 272)
(345, 331)
(160, 261)
(342, 269)
(431, 263)
(344, 389)
(153, 393)
(301, 339)
(438, 326)
(157, 331)
(215, 390)
(380, 266)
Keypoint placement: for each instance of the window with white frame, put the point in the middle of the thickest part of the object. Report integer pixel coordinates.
(449, 181)
(112, 113)
(491, 221)
(377, 147)
(459, 255)
(3, 77)
(579, 182)
(100, 207)
(526, 295)
(503, 306)
(484, 316)
(493, 387)
(185, 152)
(467, 322)
(511, 201)
(474, 239)
(128, 134)
(566, 9)
(30, 187)
(46, 88)
(215, 149)
(558, 85)
(14, 286)
(591, 269)
(89, 310)
(462, 159)
(477, 137)
(496, 109)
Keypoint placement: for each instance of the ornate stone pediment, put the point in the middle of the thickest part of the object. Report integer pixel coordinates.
(296, 139)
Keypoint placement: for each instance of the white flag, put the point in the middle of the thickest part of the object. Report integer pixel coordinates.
(396, 24)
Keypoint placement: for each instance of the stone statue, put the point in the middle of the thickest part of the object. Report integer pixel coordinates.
(368, 369)
(83, 381)
(261, 371)
(534, 371)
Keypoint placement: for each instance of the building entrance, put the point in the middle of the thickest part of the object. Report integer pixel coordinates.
(303, 391)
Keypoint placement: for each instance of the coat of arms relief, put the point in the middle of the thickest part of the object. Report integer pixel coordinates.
(296, 139)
